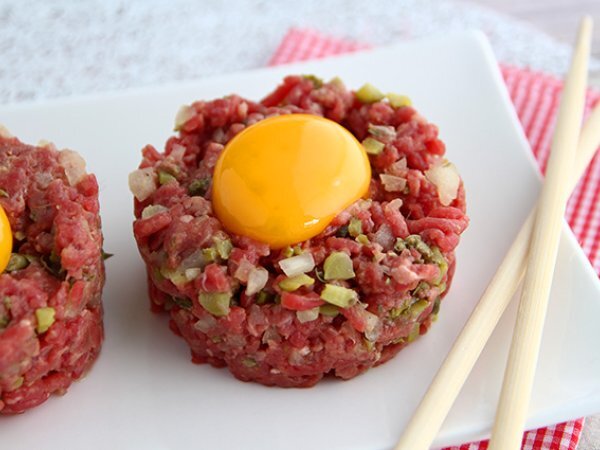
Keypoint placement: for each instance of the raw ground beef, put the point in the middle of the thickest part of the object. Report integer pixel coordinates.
(50, 308)
(223, 291)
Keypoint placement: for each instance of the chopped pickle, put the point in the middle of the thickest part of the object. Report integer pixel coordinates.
(106, 255)
(199, 187)
(224, 247)
(216, 303)
(329, 310)
(316, 81)
(414, 333)
(177, 277)
(439, 259)
(339, 296)
(249, 362)
(290, 284)
(362, 239)
(16, 262)
(45, 318)
(400, 245)
(209, 254)
(17, 383)
(337, 81)
(338, 266)
(373, 146)
(165, 177)
(436, 306)
(355, 227)
(417, 308)
(369, 94)
(3, 193)
(53, 265)
(398, 100)
(288, 252)
(4, 321)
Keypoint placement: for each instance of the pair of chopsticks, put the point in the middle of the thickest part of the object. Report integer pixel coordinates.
(533, 254)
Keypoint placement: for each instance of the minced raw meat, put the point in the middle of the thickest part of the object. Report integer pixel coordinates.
(223, 292)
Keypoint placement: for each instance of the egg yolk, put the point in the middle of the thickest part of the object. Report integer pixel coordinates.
(6, 240)
(283, 179)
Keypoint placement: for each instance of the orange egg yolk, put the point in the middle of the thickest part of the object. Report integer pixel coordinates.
(283, 179)
(6, 240)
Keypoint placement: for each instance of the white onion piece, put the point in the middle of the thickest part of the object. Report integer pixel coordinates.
(152, 210)
(73, 164)
(257, 279)
(392, 183)
(445, 177)
(142, 183)
(184, 114)
(4, 133)
(297, 265)
(308, 315)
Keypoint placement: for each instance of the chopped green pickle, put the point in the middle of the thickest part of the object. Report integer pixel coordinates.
(339, 296)
(216, 303)
(398, 100)
(362, 239)
(338, 266)
(209, 254)
(417, 308)
(3, 193)
(45, 319)
(290, 284)
(165, 177)
(224, 247)
(373, 146)
(288, 252)
(264, 297)
(414, 333)
(17, 262)
(316, 81)
(329, 310)
(399, 246)
(369, 94)
(415, 241)
(249, 362)
(355, 227)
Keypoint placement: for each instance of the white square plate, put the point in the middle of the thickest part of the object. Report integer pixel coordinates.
(145, 393)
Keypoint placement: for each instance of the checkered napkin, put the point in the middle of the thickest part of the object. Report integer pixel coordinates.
(535, 97)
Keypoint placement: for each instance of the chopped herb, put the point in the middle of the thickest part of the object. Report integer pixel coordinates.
(199, 187)
(342, 231)
(182, 302)
(106, 255)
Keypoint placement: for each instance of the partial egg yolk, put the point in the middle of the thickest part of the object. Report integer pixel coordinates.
(6, 240)
(283, 179)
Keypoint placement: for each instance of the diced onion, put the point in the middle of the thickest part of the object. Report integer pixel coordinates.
(308, 315)
(445, 177)
(5, 133)
(142, 183)
(184, 114)
(392, 183)
(257, 279)
(152, 210)
(297, 265)
(73, 164)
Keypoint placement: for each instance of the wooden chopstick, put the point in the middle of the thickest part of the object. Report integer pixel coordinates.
(437, 401)
(545, 238)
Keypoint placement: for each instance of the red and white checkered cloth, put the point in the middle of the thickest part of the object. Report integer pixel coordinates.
(535, 96)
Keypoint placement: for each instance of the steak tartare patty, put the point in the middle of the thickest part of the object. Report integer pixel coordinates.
(50, 308)
(337, 304)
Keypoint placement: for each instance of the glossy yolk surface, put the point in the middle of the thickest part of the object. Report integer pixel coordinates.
(283, 179)
(5, 240)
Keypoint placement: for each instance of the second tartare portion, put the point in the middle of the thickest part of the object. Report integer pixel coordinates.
(287, 313)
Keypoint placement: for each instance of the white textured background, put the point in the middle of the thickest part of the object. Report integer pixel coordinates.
(60, 48)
